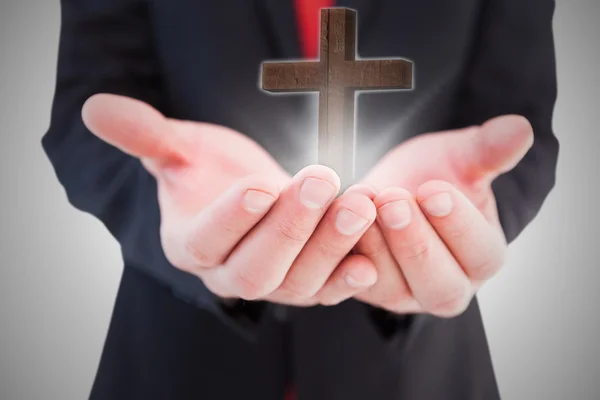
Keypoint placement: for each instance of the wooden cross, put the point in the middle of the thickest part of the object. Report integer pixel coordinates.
(337, 76)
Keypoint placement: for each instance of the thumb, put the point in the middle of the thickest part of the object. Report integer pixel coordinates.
(132, 126)
(494, 148)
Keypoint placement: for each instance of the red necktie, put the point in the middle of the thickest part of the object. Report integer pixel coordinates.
(308, 17)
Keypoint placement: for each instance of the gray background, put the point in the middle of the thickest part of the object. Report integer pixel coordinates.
(60, 268)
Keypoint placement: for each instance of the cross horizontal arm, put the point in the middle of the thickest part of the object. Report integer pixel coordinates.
(378, 74)
(291, 77)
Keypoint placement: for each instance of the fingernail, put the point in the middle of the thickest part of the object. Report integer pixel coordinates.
(395, 215)
(438, 205)
(256, 201)
(316, 193)
(348, 223)
(353, 283)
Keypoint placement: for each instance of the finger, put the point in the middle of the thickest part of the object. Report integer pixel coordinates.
(353, 275)
(435, 279)
(478, 246)
(483, 153)
(206, 240)
(259, 264)
(391, 290)
(368, 191)
(133, 126)
(337, 233)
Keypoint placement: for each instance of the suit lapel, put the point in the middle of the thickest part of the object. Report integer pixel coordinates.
(279, 21)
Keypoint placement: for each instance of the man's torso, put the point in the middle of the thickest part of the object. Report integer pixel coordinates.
(210, 54)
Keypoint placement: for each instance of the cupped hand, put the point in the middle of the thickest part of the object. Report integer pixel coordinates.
(438, 237)
(233, 217)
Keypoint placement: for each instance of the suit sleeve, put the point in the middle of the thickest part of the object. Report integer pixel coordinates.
(511, 71)
(106, 47)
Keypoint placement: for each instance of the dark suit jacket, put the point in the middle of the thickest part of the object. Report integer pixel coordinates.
(199, 59)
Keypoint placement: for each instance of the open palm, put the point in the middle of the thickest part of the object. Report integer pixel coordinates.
(470, 159)
(193, 162)
(438, 237)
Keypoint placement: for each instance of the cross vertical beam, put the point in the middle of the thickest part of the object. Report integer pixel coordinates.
(336, 76)
(336, 101)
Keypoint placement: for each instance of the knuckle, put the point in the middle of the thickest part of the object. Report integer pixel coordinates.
(450, 303)
(293, 231)
(228, 227)
(172, 249)
(330, 301)
(216, 287)
(332, 248)
(416, 251)
(201, 255)
(394, 300)
(295, 290)
(172, 256)
(490, 259)
(461, 227)
(486, 269)
(247, 288)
